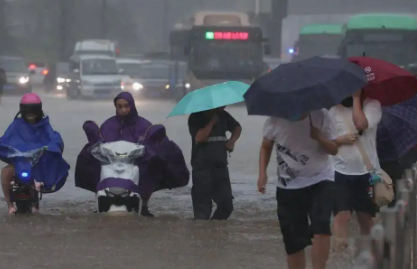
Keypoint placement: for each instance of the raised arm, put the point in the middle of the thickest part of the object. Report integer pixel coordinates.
(365, 114)
(198, 130)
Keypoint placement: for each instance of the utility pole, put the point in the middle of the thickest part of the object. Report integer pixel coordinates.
(63, 29)
(279, 10)
(257, 8)
(104, 18)
(165, 18)
(3, 28)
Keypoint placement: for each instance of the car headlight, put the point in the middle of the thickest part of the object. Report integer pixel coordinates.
(23, 80)
(187, 85)
(137, 86)
(68, 80)
(167, 86)
(60, 80)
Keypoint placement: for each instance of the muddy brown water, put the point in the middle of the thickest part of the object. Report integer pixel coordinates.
(70, 236)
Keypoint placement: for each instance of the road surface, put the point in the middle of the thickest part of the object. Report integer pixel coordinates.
(68, 235)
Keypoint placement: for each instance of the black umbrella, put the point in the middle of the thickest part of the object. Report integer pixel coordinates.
(295, 88)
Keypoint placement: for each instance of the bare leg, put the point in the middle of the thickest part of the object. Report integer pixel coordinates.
(297, 260)
(7, 174)
(35, 206)
(365, 222)
(34, 209)
(320, 251)
(340, 230)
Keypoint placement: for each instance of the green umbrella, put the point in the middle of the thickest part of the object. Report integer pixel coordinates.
(214, 96)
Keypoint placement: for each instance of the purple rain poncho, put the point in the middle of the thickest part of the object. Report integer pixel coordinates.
(162, 167)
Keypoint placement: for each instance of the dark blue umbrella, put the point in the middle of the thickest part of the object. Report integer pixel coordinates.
(299, 87)
(397, 131)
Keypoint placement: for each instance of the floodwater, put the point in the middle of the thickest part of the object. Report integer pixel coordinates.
(68, 235)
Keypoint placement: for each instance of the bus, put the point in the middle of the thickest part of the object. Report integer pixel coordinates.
(389, 37)
(220, 47)
(317, 39)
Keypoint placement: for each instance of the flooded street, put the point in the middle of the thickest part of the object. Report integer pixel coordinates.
(68, 235)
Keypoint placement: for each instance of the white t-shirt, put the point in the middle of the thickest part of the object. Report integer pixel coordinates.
(349, 161)
(301, 161)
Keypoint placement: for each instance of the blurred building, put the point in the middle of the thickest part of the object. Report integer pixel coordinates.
(50, 28)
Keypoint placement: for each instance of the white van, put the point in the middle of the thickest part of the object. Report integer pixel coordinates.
(94, 76)
(96, 46)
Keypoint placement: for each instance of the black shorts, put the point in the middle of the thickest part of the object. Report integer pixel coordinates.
(297, 206)
(352, 194)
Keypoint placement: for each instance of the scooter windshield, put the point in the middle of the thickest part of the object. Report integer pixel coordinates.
(118, 152)
(32, 156)
(24, 161)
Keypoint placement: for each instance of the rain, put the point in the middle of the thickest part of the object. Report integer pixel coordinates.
(42, 42)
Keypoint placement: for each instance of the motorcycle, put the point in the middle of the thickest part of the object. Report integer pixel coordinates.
(118, 189)
(25, 191)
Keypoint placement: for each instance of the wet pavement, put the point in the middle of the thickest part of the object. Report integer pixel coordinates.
(68, 235)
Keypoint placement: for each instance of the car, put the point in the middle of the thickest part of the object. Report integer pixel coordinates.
(57, 78)
(130, 69)
(93, 76)
(151, 78)
(38, 71)
(17, 74)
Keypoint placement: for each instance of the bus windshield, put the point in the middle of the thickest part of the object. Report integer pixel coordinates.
(313, 45)
(390, 37)
(398, 53)
(227, 57)
(397, 47)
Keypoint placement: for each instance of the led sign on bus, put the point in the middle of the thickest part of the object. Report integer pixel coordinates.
(227, 35)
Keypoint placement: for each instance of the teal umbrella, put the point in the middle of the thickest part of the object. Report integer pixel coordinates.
(214, 96)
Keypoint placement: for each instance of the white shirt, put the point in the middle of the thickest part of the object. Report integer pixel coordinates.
(301, 161)
(349, 161)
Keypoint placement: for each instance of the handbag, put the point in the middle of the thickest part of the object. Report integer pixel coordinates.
(383, 191)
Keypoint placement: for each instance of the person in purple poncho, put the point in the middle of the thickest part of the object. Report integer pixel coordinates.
(162, 167)
(126, 125)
